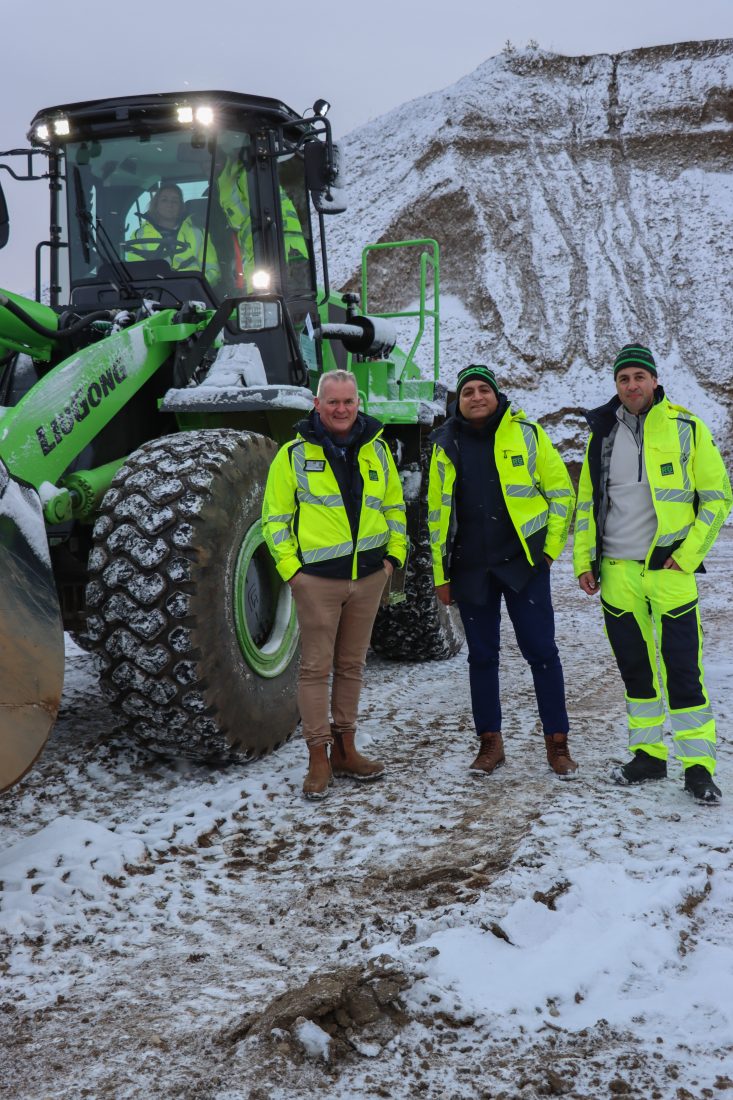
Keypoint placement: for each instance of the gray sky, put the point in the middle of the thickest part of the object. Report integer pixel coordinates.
(365, 59)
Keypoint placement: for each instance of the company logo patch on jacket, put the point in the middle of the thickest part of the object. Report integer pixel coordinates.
(315, 465)
(373, 475)
(517, 460)
(666, 469)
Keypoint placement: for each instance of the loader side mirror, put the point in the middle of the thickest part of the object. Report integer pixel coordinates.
(323, 176)
(4, 219)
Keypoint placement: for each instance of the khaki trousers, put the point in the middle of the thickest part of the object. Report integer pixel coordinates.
(335, 619)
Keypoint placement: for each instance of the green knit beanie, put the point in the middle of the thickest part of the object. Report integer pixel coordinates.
(635, 355)
(478, 371)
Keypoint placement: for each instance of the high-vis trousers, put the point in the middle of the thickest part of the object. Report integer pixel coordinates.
(639, 603)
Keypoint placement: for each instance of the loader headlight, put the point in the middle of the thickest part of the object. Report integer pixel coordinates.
(256, 315)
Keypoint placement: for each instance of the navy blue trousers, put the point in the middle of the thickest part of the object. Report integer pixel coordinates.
(533, 620)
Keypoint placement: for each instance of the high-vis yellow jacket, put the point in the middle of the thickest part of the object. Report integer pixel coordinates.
(688, 481)
(535, 485)
(308, 525)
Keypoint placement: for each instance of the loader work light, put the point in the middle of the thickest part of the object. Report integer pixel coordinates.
(185, 114)
(204, 115)
(256, 316)
(42, 132)
(61, 127)
(261, 280)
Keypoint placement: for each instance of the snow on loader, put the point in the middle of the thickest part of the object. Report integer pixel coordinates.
(187, 318)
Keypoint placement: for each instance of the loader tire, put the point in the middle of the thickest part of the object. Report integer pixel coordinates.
(420, 628)
(196, 634)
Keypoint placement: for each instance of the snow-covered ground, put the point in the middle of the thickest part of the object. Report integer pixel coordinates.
(167, 930)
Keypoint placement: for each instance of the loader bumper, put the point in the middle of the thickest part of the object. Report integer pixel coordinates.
(31, 633)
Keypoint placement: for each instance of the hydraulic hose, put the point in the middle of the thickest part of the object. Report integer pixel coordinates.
(49, 333)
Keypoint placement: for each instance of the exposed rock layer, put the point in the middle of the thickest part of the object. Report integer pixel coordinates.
(579, 203)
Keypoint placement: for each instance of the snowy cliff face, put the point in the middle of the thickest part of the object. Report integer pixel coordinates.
(580, 203)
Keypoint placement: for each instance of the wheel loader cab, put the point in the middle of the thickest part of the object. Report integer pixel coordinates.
(169, 202)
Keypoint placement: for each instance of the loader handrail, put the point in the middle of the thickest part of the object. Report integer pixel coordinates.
(431, 258)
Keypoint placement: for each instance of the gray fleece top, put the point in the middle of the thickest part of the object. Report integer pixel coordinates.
(631, 521)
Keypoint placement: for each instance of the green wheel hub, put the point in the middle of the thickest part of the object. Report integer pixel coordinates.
(264, 610)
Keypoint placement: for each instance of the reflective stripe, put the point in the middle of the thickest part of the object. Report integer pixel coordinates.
(558, 509)
(584, 505)
(434, 516)
(535, 524)
(522, 491)
(324, 553)
(693, 750)
(706, 516)
(395, 525)
(673, 536)
(679, 496)
(373, 502)
(644, 708)
(550, 493)
(530, 442)
(710, 494)
(383, 460)
(279, 519)
(435, 536)
(582, 525)
(281, 536)
(370, 542)
(331, 501)
(684, 429)
(445, 500)
(646, 735)
(690, 719)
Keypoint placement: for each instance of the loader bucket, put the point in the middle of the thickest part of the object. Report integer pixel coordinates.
(31, 634)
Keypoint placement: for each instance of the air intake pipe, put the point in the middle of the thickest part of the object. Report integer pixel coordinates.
(368, 337)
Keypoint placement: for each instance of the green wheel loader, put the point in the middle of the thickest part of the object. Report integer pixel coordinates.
(181, 320)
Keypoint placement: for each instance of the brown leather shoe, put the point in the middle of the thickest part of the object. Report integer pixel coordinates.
(319, 776)
(558, 756)
(346, 761)
(490, 755)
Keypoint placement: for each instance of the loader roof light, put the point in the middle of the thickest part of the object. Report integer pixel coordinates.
(42, 132)
(185, 114)
(61, 127)
(321, 107)
(261, 280)
(204, 115)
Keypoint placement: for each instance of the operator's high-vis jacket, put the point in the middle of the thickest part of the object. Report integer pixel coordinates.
(305, 521)
(688, 481)
(182, 248)
(535, 484)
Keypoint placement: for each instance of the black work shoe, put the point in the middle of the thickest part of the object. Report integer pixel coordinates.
(699, 785)
(642, 768)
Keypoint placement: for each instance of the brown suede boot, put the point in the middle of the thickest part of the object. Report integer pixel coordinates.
(346, 761)
(490, 755)
(558, 756)
(319, 776)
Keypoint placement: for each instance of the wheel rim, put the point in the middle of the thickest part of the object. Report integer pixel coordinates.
(264, 611)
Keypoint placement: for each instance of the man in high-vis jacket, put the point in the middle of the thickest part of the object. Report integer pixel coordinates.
(500, 504)
(333, 518)
(654, 493)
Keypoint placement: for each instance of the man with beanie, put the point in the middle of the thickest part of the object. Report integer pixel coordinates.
(654, 493)
(500, 504)
(333, 518)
